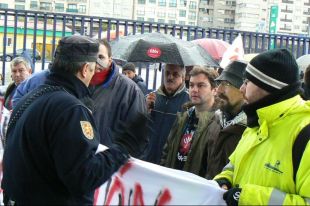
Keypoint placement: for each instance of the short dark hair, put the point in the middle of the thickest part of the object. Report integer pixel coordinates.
(211, 74)
(107, 45)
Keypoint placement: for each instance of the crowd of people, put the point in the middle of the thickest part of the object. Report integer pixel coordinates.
(247, 127)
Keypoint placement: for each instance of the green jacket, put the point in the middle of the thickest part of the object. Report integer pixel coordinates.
(262, 162)
(208, 128)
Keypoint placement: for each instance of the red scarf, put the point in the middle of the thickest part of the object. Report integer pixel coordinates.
(100, 77)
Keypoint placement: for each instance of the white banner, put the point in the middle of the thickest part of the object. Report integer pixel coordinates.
(142, 183)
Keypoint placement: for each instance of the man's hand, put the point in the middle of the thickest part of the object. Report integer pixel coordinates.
(150, 101)
(232, 196)
(223, 183)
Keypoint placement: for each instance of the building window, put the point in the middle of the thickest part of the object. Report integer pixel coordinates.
(72, 8)
(162, 2)
(171, 21)
(33, 4)
(19, 7)
(3, 6)
(182, 22)
(59, 7)
(45, 6)
(9, 41)
(192, 5)
(141, 1)
(192, 15)
(140, 18)
(82, 9)
(183, 2)
(230, 3)
(192, 23)
(23, 1)
(152, 1)
(161, 20)
(173, 3)
(151, 19)
(182, 13)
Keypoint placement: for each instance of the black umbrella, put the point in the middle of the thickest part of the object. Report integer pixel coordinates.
(158, 47)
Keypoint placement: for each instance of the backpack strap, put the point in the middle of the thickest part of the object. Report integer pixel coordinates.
(299, 147)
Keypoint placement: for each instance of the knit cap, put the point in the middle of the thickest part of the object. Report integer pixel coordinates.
(273, 70)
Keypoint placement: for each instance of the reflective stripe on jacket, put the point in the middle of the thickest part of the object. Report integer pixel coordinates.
(262, 162)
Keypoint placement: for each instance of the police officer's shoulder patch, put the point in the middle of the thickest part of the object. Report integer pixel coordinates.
(87, 129)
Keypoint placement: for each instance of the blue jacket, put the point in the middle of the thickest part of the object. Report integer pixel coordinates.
(163, 116)
(117, 100)
(141, 84)
(55, 161)
(29, 84)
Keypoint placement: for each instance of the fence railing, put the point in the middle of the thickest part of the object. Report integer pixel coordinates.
(40, 31)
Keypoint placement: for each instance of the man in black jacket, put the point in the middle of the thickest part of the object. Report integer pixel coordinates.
(52, 154)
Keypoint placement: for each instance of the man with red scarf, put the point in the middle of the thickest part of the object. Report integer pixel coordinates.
(116, 98)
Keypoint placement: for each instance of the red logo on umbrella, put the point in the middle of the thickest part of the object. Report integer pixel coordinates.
(153, 52)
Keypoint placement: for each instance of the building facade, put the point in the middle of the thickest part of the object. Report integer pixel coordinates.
(183, 12)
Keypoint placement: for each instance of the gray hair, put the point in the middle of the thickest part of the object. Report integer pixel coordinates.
(20, 60)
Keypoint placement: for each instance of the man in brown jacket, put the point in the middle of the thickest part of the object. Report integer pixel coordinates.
(188, 142)
(232, 119)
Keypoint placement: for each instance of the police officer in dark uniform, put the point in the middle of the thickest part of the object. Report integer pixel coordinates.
(52, 153)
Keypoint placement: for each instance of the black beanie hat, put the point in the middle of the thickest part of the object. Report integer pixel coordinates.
(273, 70)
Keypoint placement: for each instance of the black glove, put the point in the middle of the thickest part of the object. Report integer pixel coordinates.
(231, 197)
(223, 181)
(133, 137)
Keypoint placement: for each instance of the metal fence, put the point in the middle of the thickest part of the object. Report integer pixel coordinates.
(40, 31)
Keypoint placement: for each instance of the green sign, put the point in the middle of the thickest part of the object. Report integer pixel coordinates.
(273, 23)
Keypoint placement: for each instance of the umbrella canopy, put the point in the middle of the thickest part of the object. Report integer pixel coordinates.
(215, 47)
(160, 48)
(303, 62)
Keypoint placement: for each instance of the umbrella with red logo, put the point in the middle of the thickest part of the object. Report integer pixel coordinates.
(160, 48)
(215, 47)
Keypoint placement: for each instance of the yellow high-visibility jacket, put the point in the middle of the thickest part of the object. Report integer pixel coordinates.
(262, 163)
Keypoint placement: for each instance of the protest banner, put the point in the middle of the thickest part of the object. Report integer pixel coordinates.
(142, 183)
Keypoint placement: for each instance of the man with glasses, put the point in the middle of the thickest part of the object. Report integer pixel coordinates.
(163, 106)
(116, 99)
(270, 165)
(190, 138)
(232, 119)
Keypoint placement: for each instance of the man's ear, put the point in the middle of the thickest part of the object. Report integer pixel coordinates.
(83, 70)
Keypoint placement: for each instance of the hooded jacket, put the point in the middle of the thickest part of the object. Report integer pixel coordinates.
(163, 116)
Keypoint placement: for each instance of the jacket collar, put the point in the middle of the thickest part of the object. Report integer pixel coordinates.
(279, 110)
(181, 89)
